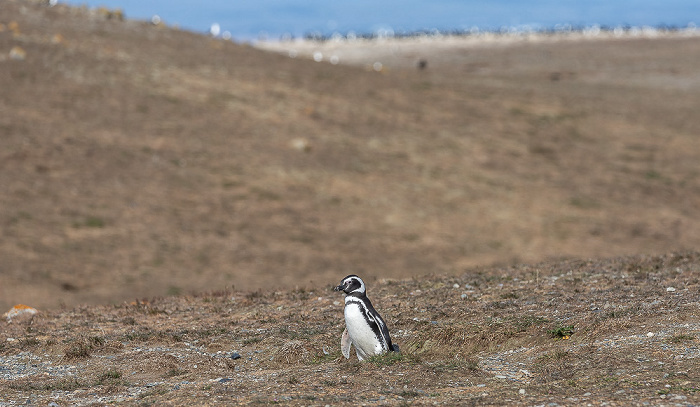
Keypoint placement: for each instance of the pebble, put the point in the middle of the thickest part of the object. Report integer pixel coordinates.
(670, 289)
(650, 334)
(235, 355)
(521, 391)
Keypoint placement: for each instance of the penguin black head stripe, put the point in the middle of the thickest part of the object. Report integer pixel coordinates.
(351, 284)
(364, 327)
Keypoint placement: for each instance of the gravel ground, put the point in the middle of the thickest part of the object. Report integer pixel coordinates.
(601, 332)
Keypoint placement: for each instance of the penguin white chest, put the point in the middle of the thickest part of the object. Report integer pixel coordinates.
(360, 331)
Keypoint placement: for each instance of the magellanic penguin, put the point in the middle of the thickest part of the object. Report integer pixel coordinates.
(364, 327)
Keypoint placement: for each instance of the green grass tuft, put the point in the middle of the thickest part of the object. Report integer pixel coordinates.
(562, 332)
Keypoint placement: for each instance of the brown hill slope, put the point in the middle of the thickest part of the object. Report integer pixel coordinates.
(139, 160)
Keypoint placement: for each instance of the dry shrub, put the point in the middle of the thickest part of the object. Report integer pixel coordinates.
(83, 346)
(444, 341)
(293, 352)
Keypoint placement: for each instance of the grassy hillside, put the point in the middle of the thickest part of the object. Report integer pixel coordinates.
(139, 160)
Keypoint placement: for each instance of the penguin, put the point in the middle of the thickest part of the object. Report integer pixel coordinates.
(364, 327)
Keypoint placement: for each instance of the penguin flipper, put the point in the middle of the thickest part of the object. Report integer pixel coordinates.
(345, 344)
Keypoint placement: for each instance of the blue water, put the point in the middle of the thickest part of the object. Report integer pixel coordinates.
(272, 19)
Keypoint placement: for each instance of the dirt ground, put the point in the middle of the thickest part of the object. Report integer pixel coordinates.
(526, 214)
(140, 160)
(621, 331)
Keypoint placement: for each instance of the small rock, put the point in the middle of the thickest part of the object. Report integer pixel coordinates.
(650, 334)
(19, 310)
(18, 53)
(224, 380)
(521, 391)
(670, 289)
(235, 355)
(301, 144)
(455, 285)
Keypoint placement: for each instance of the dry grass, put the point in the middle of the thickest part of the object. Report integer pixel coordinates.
(175, 167)
(633, 342)
(228, 189)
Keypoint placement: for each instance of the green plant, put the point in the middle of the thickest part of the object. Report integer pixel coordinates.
(562, 332)
(388, 358)
(90, 222)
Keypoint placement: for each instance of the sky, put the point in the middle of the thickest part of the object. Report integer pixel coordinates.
(271, 19)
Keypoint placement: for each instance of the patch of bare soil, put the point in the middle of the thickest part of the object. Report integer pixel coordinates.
(622, 331)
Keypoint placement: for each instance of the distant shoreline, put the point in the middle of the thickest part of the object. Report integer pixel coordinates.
(361, 50)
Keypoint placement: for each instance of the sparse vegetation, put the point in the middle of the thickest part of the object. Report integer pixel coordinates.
(681, 338)
(460, 351)
(406, 166)
(111, 377)
(82, 347)
(562, 332)
(389, 358)
(90, 222)
(132, 175)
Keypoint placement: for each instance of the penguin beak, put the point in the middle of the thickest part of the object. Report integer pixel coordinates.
(338, 288)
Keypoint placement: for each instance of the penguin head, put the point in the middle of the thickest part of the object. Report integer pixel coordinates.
(351, 284)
